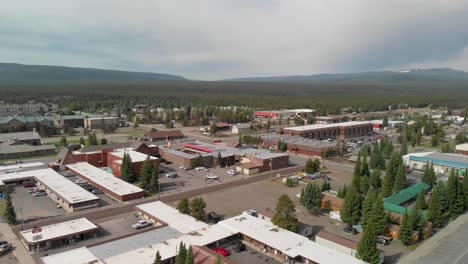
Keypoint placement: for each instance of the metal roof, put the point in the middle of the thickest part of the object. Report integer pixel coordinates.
(58, 230)
(443, 159)
(321, 126)
(29, 135)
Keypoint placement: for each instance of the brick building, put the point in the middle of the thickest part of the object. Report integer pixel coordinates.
(304, 146)
(332, 131)
(164, 135)
(462, 149)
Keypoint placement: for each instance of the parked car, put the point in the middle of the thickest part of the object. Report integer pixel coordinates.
(239, 247)
(382, 241)
(171, 175)
(80, 181)
(185, 167)
(232, 172)
(29, 184)
(96, 191)
(211, 176)
(39, 193)
(141, 224)
(2, 242)
(201, 169)
(4, 249)
(31, 190)
(222, 251)
(350, 230)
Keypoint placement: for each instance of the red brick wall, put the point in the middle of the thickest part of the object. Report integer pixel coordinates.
(462, 152)
(277, 163)
(178, 160)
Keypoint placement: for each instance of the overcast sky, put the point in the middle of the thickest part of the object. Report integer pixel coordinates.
(237, 38)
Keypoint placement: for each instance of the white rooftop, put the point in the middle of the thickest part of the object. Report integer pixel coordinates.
(75, 256)
(321, 126)
(63, 187)
(104, 179)
(134, 155)
(288, 242)
(463, 147)
(180, 222)
(16, 167)
(58, 230)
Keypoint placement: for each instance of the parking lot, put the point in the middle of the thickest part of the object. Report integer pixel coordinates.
(104, 200)
(30, 208)
(250, 256)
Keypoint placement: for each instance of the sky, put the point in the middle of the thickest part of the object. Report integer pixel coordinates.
(219, 39)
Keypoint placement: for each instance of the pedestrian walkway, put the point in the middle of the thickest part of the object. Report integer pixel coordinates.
(19, 250)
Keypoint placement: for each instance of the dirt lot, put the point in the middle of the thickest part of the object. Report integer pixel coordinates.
(264, 194)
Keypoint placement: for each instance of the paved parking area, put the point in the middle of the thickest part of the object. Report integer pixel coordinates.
(33, 208)
(104, 200)
(250, 256)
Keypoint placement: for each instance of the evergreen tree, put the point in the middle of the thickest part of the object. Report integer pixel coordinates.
(146, 172)
(183, 206)
(82, 141)
(364, 166)
(458, 208)
(309, 167)
(364, 184)
(342, 191)
(387, 185)
(189, 259)
(182, 254)
(421, 201)
(351, 210)
(157, 259)
(103, 141)
(357, 166)
(451, 193)
(375, 181)
(127, 171)
(434, 212)
(197, 208)
(285, 215)
(310, 198)
(378, 216)
(392, 166)
(400, 180)
(219, 160)
(406, 232)
(374, 158)
(367, 247)
(9, 214)
(433, 176)
(92, 139)
(63, 141)
(153, 186)
(442, 189)
(404, 148)
(316, 165)
(367, 206)
(325, 186)
(415, 218)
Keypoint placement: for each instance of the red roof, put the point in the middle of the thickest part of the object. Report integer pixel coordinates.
(198, 147)
(164, 134)
(338, 239)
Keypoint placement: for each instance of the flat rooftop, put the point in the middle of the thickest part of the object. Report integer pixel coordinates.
(74, 256)
(299, 140)
(104, 179)
(171, 216)
(63, 187)
(463, 147)
(134, 155)
(288, 242)
(19, 136)
(443, 159)
(59, 230)
(322, 126)
(20, 166)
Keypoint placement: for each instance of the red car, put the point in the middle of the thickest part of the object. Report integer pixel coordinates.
(29, 185)
(222, 251)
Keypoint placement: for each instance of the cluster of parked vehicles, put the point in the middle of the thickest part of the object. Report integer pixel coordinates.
(33, 189)
(85, 185)
(5, 247)
(313, 176)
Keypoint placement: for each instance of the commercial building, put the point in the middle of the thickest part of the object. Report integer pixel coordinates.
(331, 119)
(29, 107)
(98, 122)
(24, 122)
(18, 150)
(29, 137)
(241, 128)
(64, 192)
(172, 230)
(300, 145)
(330, 131)
(340, 244)
(57, 235)
(442, 162)
(462, 149)
(115, 159)
(70, 120)
(165, 135)
(106, 182)
(286, 113)
(21, 167)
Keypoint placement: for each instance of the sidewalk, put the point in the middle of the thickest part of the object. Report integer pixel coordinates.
(19, 250)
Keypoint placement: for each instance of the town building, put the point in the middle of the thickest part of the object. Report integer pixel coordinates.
(115, 159)
(300, 145)
(332, 119)
(340, 244)
(462, 149)
(241, 128)
(442, 162)
(24, 122)
(64, 192)
(330, 201)
(99, 122)
(165, 135)
(172, 228)
(106, 182)
(57, 235)
(283, 114)
(74, 121)
(29, 107)
(330, 131)
(22, 145)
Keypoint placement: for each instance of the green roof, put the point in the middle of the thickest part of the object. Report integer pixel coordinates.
(407, 194)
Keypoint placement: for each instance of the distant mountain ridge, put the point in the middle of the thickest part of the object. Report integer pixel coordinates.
(14, 73)
(413, 75)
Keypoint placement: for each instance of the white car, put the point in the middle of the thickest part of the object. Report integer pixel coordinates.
(80, 181)
(232, 172)
(211, 176)
(171, 175)
(201, 169)
(298, 195)
(141, 224)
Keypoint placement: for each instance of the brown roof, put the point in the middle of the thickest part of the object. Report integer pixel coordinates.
(337, 239)
(248, 165)
(222, 124)
(331, 199)
(164, 134)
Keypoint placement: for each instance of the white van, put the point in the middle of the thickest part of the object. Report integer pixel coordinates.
(335, 215)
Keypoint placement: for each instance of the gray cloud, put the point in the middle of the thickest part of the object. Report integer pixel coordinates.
(223, 39)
